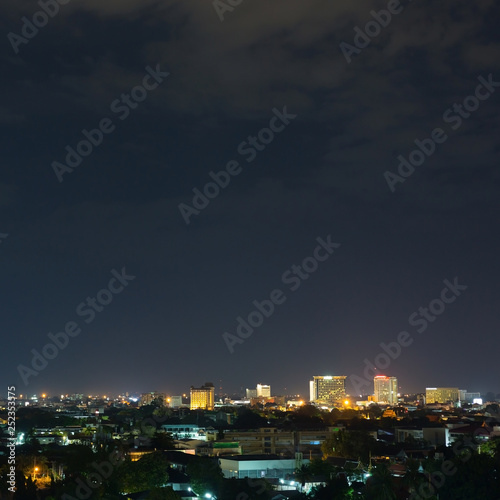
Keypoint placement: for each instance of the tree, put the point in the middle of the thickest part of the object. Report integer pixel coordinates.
(493, 409)
(374, 411)
(162, 441)
(331, 417)
(304, 474)
(25, 488)
(335, 489)
(475, 476)
(491, 447)
(151, 471)
(166, 493)
(349, 444)
(413, 478)
(205, 476)
(245, 489)
(248, 419)
(380, 486)
(78, 459)
(348, 414)
(4, 479)
(309, 411)
(158, 402)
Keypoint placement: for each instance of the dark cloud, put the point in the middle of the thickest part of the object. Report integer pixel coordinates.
(323, 174)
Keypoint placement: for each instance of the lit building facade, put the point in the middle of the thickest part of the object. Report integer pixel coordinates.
(148, 397)
(442, 394)
(251, 393)
(175, 401)
(263, 391)
(329, 389)
(386, 389)
(203, 397)
(469, 397)
(279, 441)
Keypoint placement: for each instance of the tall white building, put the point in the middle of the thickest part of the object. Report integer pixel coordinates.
(251, 393)
(263, 391)
(386, 389)
(328, 389)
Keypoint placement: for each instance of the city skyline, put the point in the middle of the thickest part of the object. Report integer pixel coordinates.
(243, 393)
(266, 193)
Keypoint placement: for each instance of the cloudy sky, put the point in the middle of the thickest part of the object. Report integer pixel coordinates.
(313, 117)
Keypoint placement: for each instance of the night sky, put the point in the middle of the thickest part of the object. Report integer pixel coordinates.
(207, 79)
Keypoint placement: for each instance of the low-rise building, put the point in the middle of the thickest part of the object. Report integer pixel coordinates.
(403, 434)
(261, 466)
(273, 440)
(185, 431)
(218, 448)
(437, 435)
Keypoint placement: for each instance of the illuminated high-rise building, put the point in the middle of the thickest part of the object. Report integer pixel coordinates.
(263, 391)
(328, 389)
(203, 397)
(386, 389)
(442, 394)
(251, 393)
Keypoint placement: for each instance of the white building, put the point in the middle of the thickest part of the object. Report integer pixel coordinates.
(261, 466)
(175, 402)
(186, 431)
(386, 389)
(263, 391)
